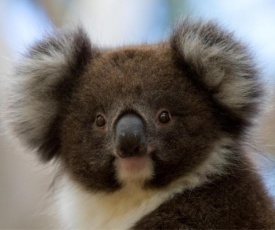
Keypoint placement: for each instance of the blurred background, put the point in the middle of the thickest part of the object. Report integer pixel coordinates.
(24, 183)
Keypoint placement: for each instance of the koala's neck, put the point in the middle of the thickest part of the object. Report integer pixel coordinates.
(118, 210)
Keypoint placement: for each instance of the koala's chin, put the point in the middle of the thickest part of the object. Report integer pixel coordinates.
(146, 136)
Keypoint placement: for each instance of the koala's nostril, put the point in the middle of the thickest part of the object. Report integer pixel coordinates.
(136, 150)
(130, 136)
(127, 152)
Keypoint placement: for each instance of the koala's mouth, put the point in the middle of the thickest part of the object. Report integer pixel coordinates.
(133, 164)
(134, 168)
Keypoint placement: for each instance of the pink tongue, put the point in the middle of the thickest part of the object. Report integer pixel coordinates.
(133, 163)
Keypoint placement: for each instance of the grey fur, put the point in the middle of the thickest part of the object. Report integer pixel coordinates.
(34, 99)
(222, 63)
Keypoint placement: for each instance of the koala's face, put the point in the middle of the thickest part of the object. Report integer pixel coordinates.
(135, 115)
(148, 114)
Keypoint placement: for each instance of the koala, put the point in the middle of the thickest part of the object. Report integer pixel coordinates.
(147, 136)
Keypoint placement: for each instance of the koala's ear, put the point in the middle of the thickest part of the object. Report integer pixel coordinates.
(219, 64)
(45, 77)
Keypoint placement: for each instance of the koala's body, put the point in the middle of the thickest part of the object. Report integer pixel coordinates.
(146, 137)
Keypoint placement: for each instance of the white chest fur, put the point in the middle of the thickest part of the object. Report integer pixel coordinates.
(119, 210)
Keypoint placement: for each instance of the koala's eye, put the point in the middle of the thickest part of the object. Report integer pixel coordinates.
(164, 117)
(100, 121)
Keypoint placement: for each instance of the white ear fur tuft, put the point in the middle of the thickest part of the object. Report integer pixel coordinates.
(40, 79)
(221, 64)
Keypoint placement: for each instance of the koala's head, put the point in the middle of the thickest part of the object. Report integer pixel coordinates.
(151, 113)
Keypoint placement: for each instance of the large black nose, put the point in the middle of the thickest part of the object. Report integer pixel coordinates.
(130, 136)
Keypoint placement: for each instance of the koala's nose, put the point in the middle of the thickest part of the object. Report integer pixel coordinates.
(130, 136)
